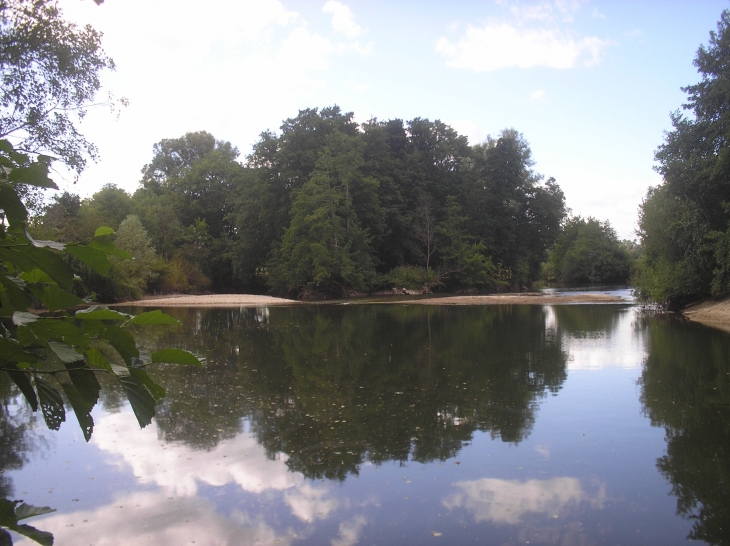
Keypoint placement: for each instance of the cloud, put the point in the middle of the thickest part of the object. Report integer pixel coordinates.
(470, 129)
(343, 21)
(509, 501)
(537, 95)
(309, 503)
(503, 45)
(154, 519)
(350, 531)
(179, 470)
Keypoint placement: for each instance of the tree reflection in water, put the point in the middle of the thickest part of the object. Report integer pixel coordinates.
(335, 386)
(685, 388)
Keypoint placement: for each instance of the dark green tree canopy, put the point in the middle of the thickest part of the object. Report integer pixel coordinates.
(683, 224)
(588, 251)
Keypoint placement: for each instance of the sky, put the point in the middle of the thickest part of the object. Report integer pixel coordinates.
(589, 84)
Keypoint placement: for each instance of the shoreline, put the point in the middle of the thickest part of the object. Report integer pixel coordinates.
(712, 313)
(247, 300)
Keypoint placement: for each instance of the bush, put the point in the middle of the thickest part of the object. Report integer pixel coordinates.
(412, 277)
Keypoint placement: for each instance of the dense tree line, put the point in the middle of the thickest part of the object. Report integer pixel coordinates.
(684, 223)
(588, 251)
(326, 207)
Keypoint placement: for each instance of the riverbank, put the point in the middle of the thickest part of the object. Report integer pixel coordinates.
(247, 300)
(711, 313)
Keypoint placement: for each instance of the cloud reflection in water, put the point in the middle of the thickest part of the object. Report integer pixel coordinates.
(509, 501)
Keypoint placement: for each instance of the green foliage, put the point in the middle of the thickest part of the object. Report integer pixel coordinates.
(464, 261)
(588, 251)
(683, 222)
(60, 351)
(13, 512)
(325, 248)
(412, 277)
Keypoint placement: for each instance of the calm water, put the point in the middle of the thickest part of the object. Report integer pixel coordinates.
(338, 425)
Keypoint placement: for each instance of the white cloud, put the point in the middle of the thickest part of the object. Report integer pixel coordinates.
(349, 532)
(232, 68)
(343, 20)
(537, 95)
(508, 501)
(502, 45)
(179, 470)
(469, 129)
(154, 519)
(309, 503)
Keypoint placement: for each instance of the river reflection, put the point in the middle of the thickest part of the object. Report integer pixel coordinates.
(400, 424)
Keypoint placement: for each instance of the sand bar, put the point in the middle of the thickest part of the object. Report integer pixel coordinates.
(247, 300)
(711, 313)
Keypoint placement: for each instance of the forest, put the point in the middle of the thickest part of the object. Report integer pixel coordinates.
(331, 208)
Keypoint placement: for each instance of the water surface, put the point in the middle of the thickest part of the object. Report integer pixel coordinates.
(373, 424)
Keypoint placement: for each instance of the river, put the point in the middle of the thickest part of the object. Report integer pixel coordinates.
(399, 424)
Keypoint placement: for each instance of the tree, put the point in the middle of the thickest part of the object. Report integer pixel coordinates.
(683, 223)
(510, 210)
(464, 261)
(588, 251)
(50, 77)
(325, 246)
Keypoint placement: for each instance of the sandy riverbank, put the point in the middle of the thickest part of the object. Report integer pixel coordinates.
(711, 313)
(246, 300)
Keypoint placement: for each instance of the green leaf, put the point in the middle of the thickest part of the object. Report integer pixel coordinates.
(40, 331)
(154, 317)
(85, 382)
(122, 341)
(7, 514)
(176, 356)
(18, 259)
(54, 298)
(25, 511)
(10, 203)
(65, 352)
(105, 245)
(143, 404)
(52, 264)
(82, 412)
(35, 275)
(21, 318)
(98, 312)
(16, 297)
(35, 174)
(95, 259)
(157, 392)
(12, 351)
(22, 380)
(41, 537)
(51, 403)
(102, 231)
(97, 359)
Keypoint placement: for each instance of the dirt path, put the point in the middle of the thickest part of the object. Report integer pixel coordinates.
(245, 300)
(711, 313)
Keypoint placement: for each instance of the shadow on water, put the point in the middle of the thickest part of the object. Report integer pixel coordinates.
(333, 387)
(685, 388)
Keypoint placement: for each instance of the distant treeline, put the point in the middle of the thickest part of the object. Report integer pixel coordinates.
(326, 207)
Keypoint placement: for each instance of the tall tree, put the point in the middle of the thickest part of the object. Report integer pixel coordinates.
(50, 72)
(325, 246)
(684, 223)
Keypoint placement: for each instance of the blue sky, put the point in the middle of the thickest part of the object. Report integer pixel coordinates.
(590, 85)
